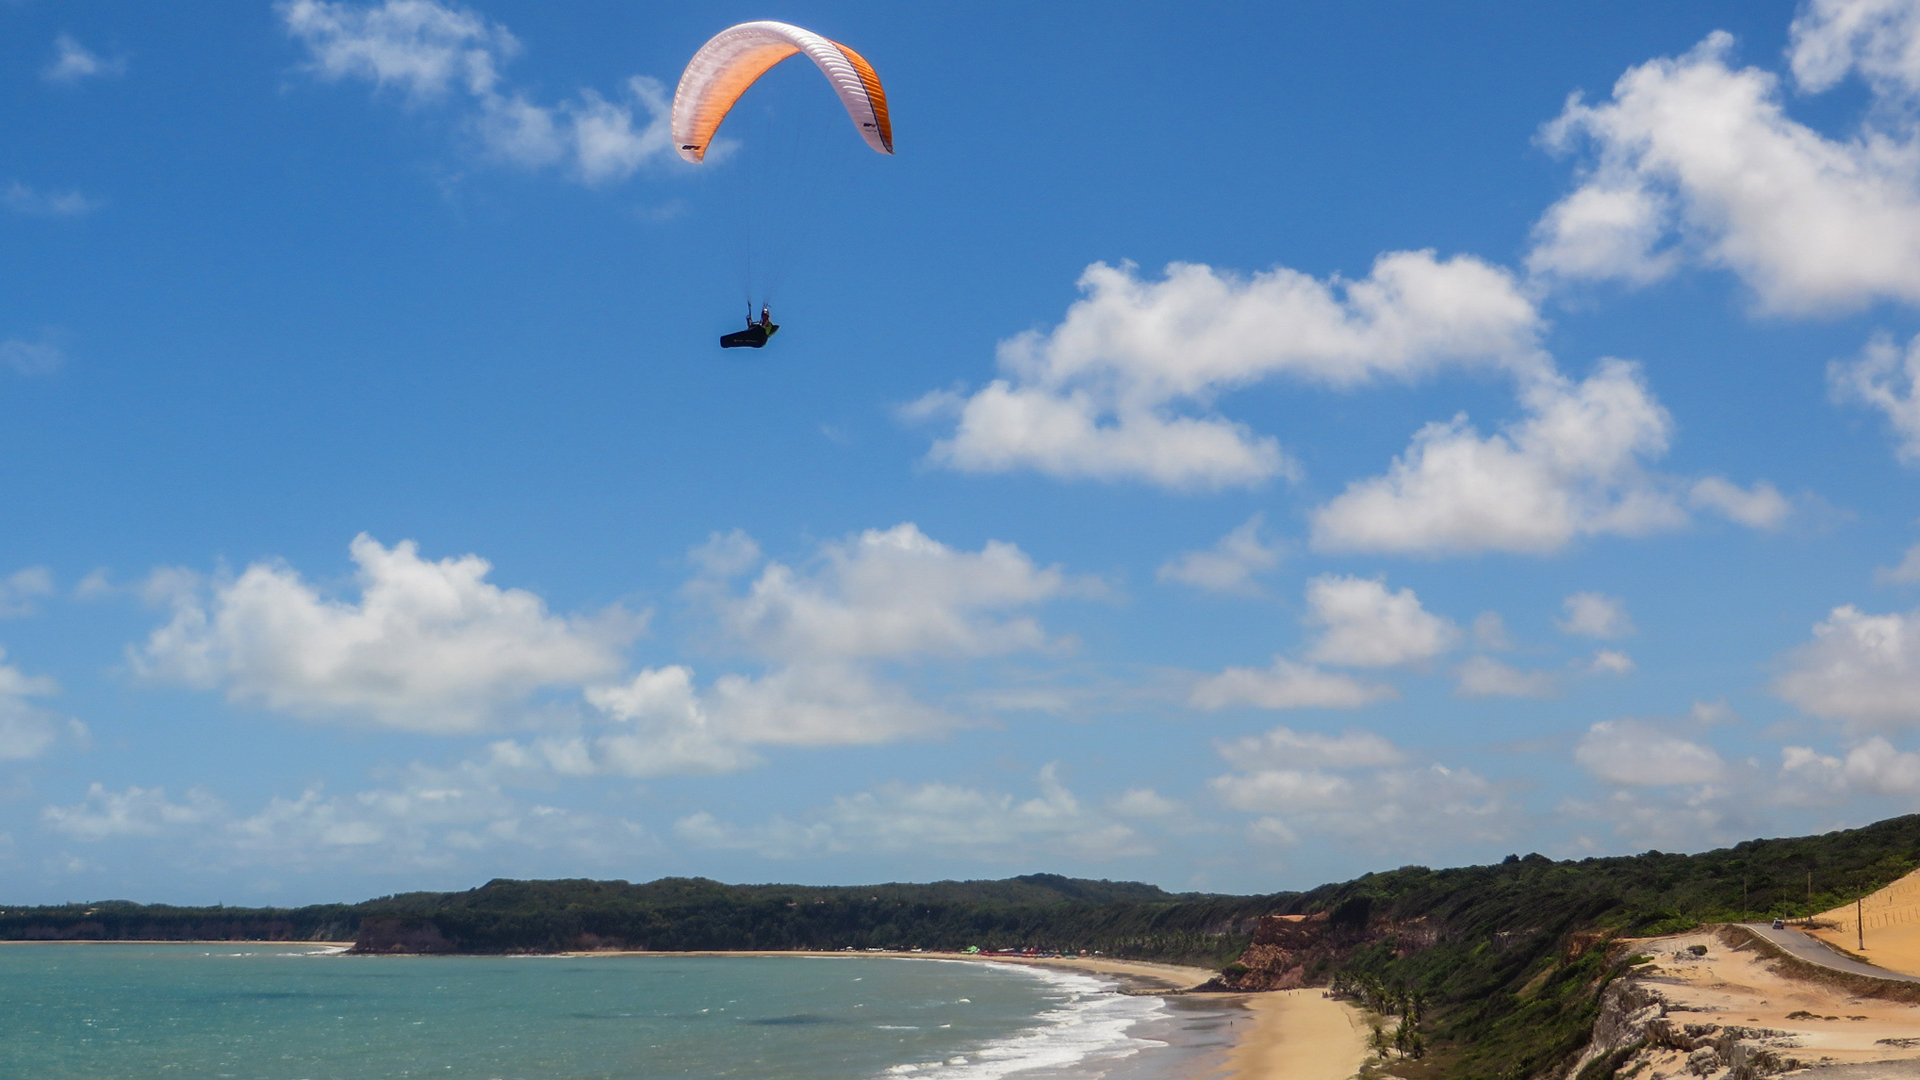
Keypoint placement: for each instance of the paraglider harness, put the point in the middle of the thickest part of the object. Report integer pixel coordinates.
(755, 335)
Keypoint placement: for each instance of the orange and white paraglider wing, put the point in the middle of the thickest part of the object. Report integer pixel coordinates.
(725, 66)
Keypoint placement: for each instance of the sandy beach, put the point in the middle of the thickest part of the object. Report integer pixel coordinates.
(1299, 1035)
(1286, 1034)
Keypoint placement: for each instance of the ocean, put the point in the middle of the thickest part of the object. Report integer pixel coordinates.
(264, 1012)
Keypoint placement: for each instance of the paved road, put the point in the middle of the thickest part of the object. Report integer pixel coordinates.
(1815, 951)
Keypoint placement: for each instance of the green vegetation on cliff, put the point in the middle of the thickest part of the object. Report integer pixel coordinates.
(1510, 957)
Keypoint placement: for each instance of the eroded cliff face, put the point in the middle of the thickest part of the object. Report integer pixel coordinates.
(1290, 951)
(1284, 948)
(1634, 1032)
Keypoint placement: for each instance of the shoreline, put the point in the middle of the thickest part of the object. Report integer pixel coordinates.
(1292, 1034)
(1298, 1034)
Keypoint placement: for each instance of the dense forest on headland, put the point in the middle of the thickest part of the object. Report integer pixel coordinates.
(1507, 960)
(1039, 911)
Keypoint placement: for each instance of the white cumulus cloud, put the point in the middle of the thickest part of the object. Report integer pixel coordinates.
(1576, 465)
(1879, 39)
(1123, 387)
(427, 646)
(1872, 767)
(1695, 160)
(665, 725)
(897, 592)
(828, 633)
(1362, 624)
(1861, 669)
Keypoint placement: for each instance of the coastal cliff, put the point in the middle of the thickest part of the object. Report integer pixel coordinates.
(1504, 970)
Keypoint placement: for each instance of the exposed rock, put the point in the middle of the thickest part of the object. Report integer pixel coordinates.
(1282, 947)
(1628, 1013)
(1290, 951)
(1633, 1016)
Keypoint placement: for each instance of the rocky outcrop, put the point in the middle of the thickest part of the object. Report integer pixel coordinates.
(1290, 951)
(1634, 1028)
(1627, 1011)
(1283, 948)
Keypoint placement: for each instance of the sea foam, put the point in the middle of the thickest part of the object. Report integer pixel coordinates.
(1088, 1024)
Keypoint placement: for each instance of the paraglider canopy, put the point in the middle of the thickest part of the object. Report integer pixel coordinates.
(735, 57)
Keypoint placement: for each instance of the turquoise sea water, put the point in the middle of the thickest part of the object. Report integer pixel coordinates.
(254, 1012)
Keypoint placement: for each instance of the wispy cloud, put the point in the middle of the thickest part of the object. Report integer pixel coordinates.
(1229, 566)
(43, 357)
(956, 821)
(435, 52)
(22, 199)
(73, 62)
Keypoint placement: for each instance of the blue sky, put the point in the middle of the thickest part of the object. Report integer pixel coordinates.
(1233, 448)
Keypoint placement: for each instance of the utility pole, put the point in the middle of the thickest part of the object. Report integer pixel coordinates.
(1859, 926)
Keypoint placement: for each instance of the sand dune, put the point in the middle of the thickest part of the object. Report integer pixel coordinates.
(1891, 919)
